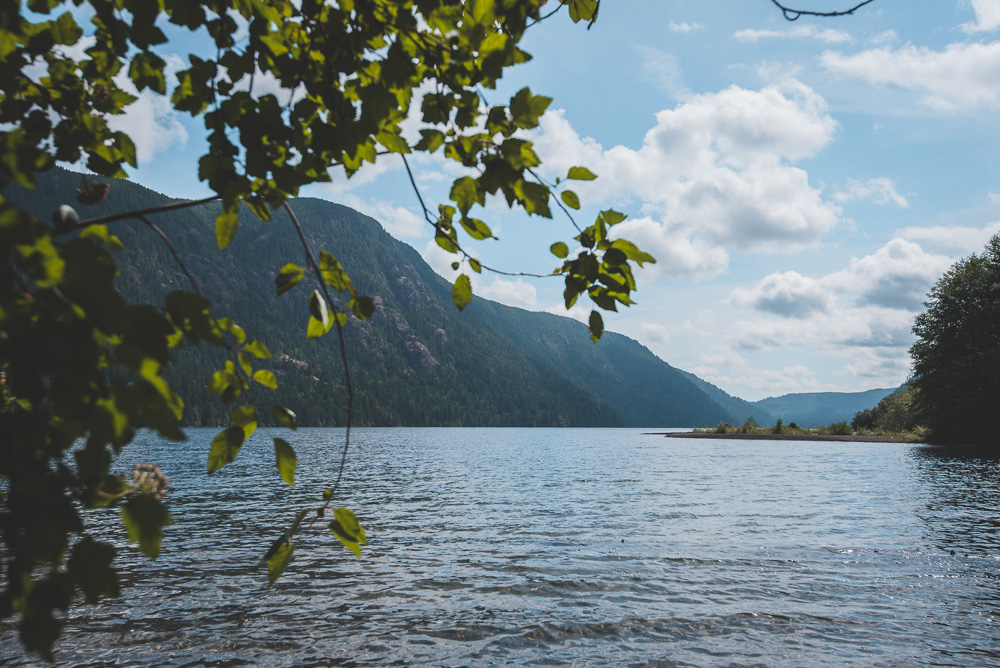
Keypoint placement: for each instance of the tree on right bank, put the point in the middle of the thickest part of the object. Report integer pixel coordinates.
(956, 358)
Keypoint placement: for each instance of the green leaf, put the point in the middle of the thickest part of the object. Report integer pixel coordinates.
(348, 530)
(363, 307)
(612, 217)
(570, 199)
(285, 416)
(581, 174)
(286, 460)
(461, 292)
(315, 328)
(317, 307)
(279, 561)
(266, 378)
(334, 274)
(89, 567)
(559, 249)
(582, 10)
(526, 108)
(288, 277)
(596, 327)
(258, 350)
(245, 417)
(144, 518)
(632, 252)
(226, 225)
(225, 446)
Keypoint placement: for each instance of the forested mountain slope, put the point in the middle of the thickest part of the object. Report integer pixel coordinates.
(417, 361)
(818, 409)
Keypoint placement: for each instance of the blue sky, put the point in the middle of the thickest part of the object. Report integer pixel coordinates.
(802, 184)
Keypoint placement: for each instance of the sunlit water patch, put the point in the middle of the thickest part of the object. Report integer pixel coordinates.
(561, 547)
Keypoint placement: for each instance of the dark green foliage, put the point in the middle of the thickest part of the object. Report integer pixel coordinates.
(895, 414)
(956, 358)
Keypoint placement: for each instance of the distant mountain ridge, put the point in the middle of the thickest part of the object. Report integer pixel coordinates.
(819, 409)
(417, 361)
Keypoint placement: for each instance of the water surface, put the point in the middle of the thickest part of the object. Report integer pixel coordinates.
(562, 547)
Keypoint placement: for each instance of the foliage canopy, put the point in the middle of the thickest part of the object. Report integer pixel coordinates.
(83, 369)
(956, 358)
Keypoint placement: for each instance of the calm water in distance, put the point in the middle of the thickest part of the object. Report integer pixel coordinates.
(562, 547)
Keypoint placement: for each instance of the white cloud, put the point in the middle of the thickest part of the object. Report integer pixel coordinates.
(962, 77)
(684, 27)
(150, 121)
(518, 293)
(880, 190)
(655, 333)
(789, 294)
(987, 16)
(955, 237)
(713, 176)
(896, 276)
(579, 311)
(665, 70)
(827, 35)
(398, 221)
(863, 314)
(727, 368)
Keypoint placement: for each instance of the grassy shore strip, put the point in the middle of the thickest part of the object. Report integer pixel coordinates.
(787, 437)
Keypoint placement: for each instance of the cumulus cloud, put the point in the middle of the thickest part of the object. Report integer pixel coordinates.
(713, 175)
(955, 237)
(150, 121)
(879, 190)
(789, 294)
(518, 292)
(868, 305)
(963, 77)
(827, 35)
(987, 16)
(896, 276)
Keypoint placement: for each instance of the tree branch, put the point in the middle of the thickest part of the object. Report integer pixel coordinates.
(794, 14)
(173, 251)
(343, 350)
(127, 215)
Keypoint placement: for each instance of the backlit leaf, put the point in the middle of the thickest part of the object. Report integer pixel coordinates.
(461, 292)
(225, 446)
(286, 460)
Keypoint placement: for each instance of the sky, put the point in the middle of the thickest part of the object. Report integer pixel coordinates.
(802, 184)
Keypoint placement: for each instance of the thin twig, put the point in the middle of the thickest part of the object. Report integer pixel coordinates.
(343, 352)
(558, 201)
(413, 182)
(139, 213)
(794, 14)
(173, 251)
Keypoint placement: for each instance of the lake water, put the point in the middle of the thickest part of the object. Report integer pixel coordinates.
(562, 547)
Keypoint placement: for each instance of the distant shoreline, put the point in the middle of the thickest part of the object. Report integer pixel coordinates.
(784, 437)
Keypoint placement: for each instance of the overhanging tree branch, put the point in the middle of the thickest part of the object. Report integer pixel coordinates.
(794, 14)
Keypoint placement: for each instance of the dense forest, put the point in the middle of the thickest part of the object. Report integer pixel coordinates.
(418, 361)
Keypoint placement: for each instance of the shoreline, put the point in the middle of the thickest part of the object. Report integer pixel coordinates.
(785, 437)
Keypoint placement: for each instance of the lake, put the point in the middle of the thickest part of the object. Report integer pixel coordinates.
(561, 547)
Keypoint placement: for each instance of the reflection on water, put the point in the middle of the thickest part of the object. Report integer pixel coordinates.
(961, 487)
(563, 547)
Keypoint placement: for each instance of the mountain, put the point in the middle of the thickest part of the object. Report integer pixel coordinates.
(819, 409)
(416, 362)
(740, 409)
